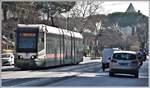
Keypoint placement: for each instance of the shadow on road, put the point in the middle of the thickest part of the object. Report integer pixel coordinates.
(123, 76)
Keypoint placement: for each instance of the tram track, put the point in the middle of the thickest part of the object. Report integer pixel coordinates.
(81, 72)
(32, 81)
(48, 81)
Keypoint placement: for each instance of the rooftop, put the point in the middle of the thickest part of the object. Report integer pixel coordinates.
(130, 8)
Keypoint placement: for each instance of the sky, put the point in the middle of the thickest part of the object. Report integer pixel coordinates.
(121, 6)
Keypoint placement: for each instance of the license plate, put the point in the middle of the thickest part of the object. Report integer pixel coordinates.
(123, 63)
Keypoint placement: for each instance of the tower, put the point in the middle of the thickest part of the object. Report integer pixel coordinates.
(130, 9)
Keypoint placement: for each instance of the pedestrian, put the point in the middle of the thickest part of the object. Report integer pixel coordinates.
(144, 55)
(140, 57)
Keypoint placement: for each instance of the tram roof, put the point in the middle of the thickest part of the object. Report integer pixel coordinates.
(77, 35)
(29, 25)
(51, 29)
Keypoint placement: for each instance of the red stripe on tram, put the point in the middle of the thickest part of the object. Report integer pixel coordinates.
(54, 55)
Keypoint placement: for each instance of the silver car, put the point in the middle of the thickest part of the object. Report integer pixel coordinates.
(124, 62)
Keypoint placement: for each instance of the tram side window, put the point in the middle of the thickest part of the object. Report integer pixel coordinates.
(65, 45)
(52, 43)
(58, 45)
(80, 45)
(62, 45)
(68, 45)
(41, 41)
(77, 46)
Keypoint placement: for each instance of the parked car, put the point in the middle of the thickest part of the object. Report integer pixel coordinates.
(106, 55)
(7, 59)
(124, 62)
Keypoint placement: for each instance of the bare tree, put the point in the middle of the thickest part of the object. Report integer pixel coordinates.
(82, 10)
(26, 12)
(81, 14)
(50, 9)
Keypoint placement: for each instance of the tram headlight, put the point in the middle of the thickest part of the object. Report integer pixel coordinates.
(33, 57)
(20, 57)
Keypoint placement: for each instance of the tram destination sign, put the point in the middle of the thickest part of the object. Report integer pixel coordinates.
(28, 34)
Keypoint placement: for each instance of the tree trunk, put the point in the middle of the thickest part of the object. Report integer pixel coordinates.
(52, 20)
(48, 16)
(5, 14)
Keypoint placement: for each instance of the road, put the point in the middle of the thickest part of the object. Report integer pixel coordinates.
(87, 73)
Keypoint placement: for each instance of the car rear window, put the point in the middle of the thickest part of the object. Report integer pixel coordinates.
(124, 56)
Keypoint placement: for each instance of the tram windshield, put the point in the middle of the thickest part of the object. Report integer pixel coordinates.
(26, 41)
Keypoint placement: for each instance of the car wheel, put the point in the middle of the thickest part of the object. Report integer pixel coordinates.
(111, 73)
(136, 74)
(10, 64)
(103, 67)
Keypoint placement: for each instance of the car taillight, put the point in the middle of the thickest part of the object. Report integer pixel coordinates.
(113, 60)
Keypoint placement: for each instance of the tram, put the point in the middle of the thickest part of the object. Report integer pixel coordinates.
(39, 45)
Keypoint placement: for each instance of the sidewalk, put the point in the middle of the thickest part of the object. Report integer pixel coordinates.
(92, 59)
(9, 68)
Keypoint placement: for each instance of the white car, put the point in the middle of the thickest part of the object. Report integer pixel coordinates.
(7, 59)
(106, 55)
(124, 62)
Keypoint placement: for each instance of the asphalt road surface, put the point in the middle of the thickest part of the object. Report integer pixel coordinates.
(86, 74)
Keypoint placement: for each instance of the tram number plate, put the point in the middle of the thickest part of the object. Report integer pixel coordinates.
(27, 54)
